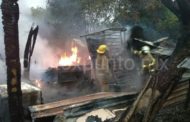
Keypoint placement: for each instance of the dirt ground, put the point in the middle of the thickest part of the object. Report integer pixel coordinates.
(175, 113)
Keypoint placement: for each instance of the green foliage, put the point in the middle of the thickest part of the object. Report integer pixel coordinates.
(99, 12)
(150, 13)
(74, 15)
(169, 21)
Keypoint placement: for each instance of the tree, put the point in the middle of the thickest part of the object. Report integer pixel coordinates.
(156, 93)
(10, 11)
(66, 19)
(149, 13)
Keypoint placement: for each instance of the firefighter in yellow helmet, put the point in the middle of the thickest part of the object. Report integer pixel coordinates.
(102, 49)
(102, 68)
(148, 61)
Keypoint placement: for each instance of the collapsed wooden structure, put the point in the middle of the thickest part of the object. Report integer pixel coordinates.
(78, 106)
(57, 108)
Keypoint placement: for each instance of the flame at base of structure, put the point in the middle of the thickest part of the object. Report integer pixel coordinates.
(38, 83)
(73, 59)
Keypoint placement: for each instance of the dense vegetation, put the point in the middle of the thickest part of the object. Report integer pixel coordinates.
(68, 18)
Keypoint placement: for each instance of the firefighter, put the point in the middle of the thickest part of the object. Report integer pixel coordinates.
(102, 68)
(148, 61)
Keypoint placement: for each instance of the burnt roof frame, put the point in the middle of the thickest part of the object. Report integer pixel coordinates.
(106, 32)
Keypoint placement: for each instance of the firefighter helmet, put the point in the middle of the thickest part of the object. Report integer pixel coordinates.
(146, 49)
(102, 49)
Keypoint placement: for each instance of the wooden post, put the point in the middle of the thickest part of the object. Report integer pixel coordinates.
(10, 12)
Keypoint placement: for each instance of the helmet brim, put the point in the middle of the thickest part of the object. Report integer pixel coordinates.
(146, 51)
(100, 52)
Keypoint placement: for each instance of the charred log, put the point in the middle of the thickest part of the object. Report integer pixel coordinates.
(30, 46)
(10, 11)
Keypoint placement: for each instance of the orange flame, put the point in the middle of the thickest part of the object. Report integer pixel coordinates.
(38, 83)
(70, 60)
(89, 58)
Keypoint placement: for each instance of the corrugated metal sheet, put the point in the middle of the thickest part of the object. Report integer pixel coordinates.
(185, 63)
(163, 51)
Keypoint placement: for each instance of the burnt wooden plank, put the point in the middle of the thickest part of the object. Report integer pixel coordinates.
(54, 108)
(187, 98)
(180, 84)
(68, 101)
(78, 110)
(176, 95)
(175, 101)
(184, 87)
(78, 105)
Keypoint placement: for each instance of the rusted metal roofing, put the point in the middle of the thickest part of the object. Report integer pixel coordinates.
(105, 32)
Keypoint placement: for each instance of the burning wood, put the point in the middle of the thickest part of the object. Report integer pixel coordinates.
(73, 65)
(38, 83)
(73, 59)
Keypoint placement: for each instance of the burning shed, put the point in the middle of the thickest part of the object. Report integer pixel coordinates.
(113, 37)
(74, 64)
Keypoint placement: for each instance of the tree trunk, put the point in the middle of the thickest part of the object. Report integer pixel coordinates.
(10, 11)
(163, 82)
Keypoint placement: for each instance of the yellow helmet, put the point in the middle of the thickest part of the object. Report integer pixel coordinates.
(102, 49)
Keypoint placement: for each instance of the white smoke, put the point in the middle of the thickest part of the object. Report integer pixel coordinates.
(32, 3)
(25, 22)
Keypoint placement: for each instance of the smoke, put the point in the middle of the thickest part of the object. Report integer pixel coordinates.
(62, 21)
(57, 30)
(25, 22)
(59, 22)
